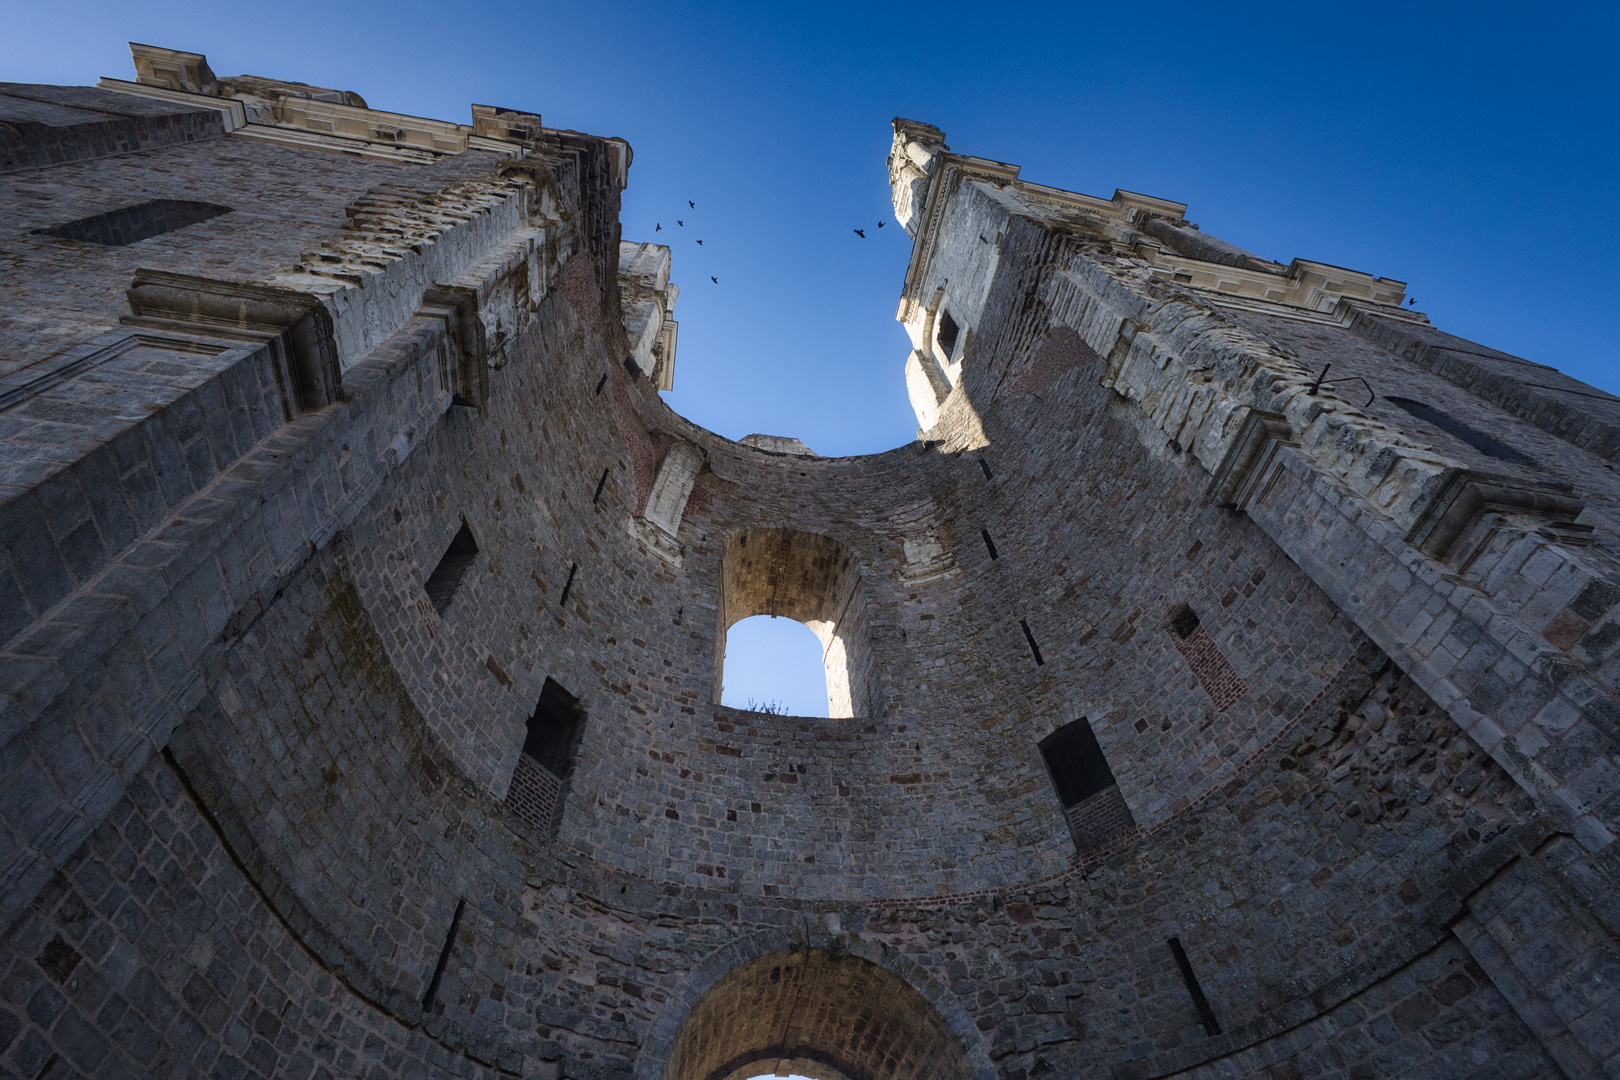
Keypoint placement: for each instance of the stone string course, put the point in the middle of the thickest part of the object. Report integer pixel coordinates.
(251, 775)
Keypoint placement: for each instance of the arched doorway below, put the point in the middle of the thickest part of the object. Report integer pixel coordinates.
(811, 1013)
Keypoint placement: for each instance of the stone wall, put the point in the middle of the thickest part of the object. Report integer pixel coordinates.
(256, 779)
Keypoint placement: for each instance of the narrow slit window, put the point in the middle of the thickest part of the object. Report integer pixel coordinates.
(1034, 646)
(1206, 1014)
(1458, 430)
(546, 764)
(132, 224)
(430, 999)
(446, 578)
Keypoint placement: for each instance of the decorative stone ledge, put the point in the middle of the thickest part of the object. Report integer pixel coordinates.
(298, 322)
(1455, 525)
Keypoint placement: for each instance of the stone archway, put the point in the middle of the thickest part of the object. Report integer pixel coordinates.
(818, 1012)
(812, 579)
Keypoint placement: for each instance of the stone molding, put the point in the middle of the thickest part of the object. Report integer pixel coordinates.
(294, 114)
(647, 298)
(1447, 531)
(298, 322)
(927, 558)
(458, 307)
(1249, 458)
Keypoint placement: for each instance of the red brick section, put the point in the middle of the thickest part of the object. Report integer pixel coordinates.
(535, 794)
(1218, 678)
(1100, 819)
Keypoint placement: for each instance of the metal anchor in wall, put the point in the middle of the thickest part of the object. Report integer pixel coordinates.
(1319, 383)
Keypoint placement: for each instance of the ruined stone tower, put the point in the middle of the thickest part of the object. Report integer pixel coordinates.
(1223, 684)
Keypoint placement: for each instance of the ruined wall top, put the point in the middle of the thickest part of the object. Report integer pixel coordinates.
(297, 114)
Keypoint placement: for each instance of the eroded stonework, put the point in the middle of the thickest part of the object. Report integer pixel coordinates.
(363, 610)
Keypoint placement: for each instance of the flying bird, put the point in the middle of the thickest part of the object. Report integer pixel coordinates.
(880, 224)
(1410, 300)
(658, 228)
(861, 233)
(714, 279)
(700, 243)
(681, 223)
(692, 204)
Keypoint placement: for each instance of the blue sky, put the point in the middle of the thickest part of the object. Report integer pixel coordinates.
(1467, 149)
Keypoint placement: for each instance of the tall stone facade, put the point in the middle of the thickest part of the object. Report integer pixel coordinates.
(1223, 683)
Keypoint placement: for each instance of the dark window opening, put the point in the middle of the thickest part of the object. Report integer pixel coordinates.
(633, 368)
(948, 331)
(1477, 439)
(554, 730)
(985, 465)
(1076, 763)
(1184, 622)
(132, 224)
(540, 780)
(989, 544)
(446, 578)
(601, 382)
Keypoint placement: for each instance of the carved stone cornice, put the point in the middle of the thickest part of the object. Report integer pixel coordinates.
(1240, 475)
(469, 375)
(1447, 524)
(235, 310)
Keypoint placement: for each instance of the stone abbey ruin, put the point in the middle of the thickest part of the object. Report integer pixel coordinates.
(1223, 684)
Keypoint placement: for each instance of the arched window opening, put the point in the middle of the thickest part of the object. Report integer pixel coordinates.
(820, 1016)
(774, 665)
(811, 579)
(946, 336)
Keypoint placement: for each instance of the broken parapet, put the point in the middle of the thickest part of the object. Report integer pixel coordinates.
(777, 444)
(648, 300)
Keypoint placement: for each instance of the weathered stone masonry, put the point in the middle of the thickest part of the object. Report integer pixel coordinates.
(1349, 665)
